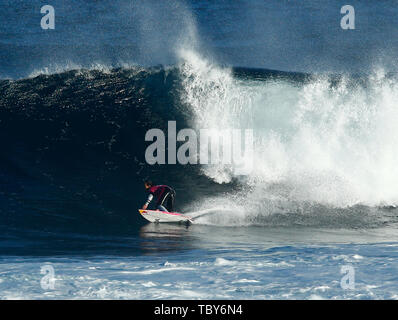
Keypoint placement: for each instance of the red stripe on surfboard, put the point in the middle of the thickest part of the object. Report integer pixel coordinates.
(165, 212)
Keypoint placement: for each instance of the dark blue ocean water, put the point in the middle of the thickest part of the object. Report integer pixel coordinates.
(77, 101)
(282, 35)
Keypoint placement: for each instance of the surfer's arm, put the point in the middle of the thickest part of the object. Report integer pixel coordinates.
(150, 197)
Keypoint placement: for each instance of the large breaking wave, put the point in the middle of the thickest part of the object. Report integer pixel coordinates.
(72, 153)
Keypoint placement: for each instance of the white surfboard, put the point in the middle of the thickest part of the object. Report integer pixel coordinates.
(163, 216)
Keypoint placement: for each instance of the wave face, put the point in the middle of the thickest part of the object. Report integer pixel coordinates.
(73, 147)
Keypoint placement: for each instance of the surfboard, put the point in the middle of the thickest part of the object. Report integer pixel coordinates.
(163, 216)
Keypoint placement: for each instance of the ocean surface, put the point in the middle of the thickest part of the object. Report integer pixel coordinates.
(315, 218)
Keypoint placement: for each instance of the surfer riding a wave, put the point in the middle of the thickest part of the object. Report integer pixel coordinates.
(164, 196)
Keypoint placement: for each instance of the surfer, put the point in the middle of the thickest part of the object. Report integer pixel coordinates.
(164, 196)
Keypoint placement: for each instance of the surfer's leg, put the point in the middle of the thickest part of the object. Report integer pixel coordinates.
(162, 208)
(170, 202)
(163, 204)
(167, 202)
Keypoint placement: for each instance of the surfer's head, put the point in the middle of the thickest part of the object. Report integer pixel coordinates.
(148, 184)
